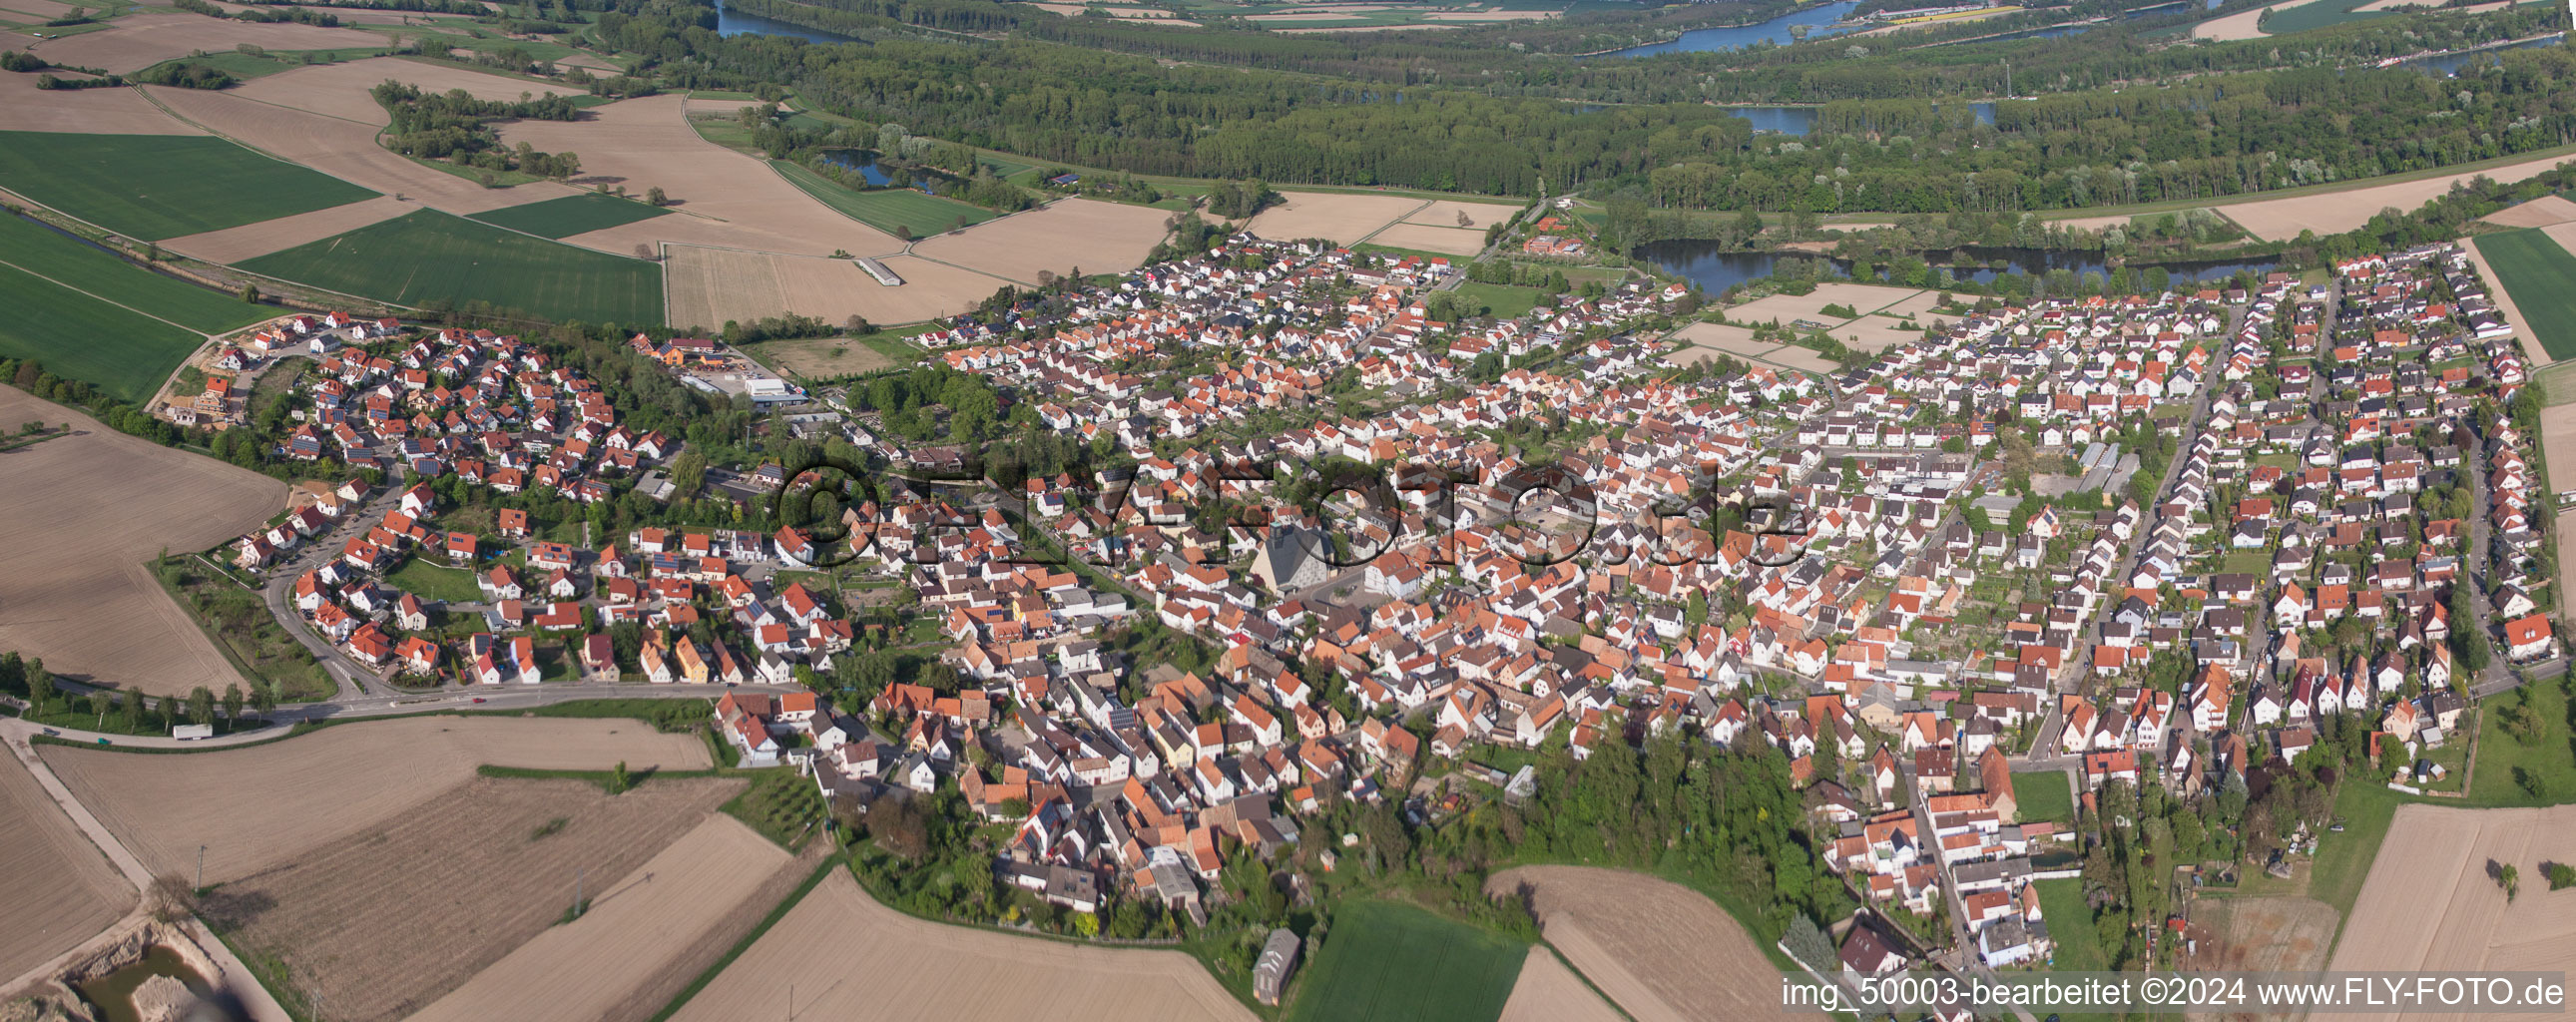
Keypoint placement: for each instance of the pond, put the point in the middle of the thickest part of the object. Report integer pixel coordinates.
(113, 993)
(1799, 120)
(2451, 63)
(729, 22)
(1704, 263)
(858, 160)
(1818, 20)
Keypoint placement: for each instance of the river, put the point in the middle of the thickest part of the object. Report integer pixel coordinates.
(730, 22)
(1714, 270)
(1799, 120)
(1819, 21)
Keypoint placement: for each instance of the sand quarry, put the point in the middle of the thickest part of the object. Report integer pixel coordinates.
(58, 890)
(852, 958)
(646, 935)
(84, 513)
(720, 197)
(2432, 904)
(1621, 930)
(321, 787)
(383, 923)
(147, 37)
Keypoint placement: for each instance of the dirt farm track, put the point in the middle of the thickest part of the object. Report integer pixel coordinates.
(83, 514)
(332, 783)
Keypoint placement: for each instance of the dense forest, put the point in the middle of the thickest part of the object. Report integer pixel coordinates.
(2206, 136)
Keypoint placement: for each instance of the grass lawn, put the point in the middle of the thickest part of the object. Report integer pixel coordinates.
(571, 215)
(430, 581)
(887, 209)
(2070, 923)
(81, 266)
(2504, 760)
(1501, 301)
(2044, 795)
(2541, 277)
(83, 338)
(162, 186)
(429, 257)
(1384, 960)
(2252, 562)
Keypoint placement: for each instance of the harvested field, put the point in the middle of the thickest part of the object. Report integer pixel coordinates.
(1457, 241)
(250, 241)
(1549, 992)
(2286, 934)
(382, 923)
(162, 186)
(84, 512)
(1861, 298)
(1790, 356)
(2340, 211)
(147, 37)
(1619, 928)
(2545, 211)
(1344, 219)
(58, 890)
(2091, 223)
(339, 781)
(723, 198)
(2558, 445)
(644, 932)
(428, 256)
(919, 970)
(23, 107)
(1097, 237)
(2431, 902)
(822, 357)
(708, 286)
(344, 149)
(340, 90)
(1480, 215)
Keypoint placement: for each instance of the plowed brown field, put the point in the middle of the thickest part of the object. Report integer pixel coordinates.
(1621, 929)
(58, 890)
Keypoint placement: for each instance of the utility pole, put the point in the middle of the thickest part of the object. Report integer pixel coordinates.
(201, 866)
(576, 892)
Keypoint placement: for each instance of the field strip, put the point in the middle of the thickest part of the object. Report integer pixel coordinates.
(636, 930)
(252, 240)
(103, 298)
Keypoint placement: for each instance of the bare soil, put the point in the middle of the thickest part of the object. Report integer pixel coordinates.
(1087, 234)
(1456, 241)
(912, 969)
(2340, 211)
(1549, 992)
(341, 90)
(345, 149)
(2545, 211)
(262, 807)
(250, 241)
(146, 37)
(1480, 215)
(637, 930)
(83, 513)
(23, 107)
(382, 922)
(1343, 219)
(1625, 931)
(2432, 903)
(58, 889)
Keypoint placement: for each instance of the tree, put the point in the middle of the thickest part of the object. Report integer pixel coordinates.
(201, 706)
(657, 196)
(232, 702)
(171, 899)
(2509, 878)
(40, 683)
(618, 781)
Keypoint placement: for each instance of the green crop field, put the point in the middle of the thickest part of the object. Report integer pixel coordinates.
(157, 187)
(888, 208)
(1384, 960)
(2043, 795)
(429, 257)
(79, 266)
(2541, 277)
(571, 215)
(80, 337)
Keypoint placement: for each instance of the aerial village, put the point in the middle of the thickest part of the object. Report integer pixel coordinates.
(2170, 541)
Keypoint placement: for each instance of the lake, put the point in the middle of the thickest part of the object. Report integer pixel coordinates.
(1714, 270)
(1819, 21)
(729, 22)
(1799, 120)
(855, 159)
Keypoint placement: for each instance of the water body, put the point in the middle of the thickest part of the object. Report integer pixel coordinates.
(729, 22)
(2454, 63)
(1713, 269)
(854, 159)
(1819, 21)
(1799, 120)
(114, 993)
